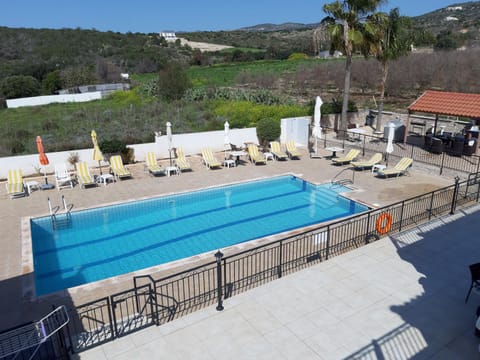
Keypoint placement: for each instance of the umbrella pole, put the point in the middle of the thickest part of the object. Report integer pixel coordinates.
(170, 155)
(100, 167)
(45, 175)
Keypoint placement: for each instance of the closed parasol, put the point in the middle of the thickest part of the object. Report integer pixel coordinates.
(97, 153)
(317, 130)
(170, 140)
(391, 135)
(42, 157)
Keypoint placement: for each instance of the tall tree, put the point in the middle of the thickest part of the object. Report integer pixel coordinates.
(388, 38)
(347, 34)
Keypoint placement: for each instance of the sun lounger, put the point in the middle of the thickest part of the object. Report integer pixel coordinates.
(277, 151)
(368, 164)
(83, 175)
(255, 156)
(400, 168)
(119, 171)
(15, 187)
(151, 164)
(62, 177)
(181, 160)
(292, 150)
(351, 155)
(209, 160)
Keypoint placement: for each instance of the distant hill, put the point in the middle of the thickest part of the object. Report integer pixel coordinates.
(280, 27)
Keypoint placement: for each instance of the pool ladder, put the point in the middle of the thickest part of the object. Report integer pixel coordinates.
(60, 219)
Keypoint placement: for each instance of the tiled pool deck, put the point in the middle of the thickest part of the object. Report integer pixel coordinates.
(360, 299)
(399, 298)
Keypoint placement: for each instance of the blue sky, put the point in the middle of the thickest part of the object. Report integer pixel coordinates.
(147, 16)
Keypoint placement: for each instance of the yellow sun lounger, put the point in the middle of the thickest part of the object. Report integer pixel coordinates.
(368, 164)
(209, 159)
(151, 164)
(292, 150)
(400, 168)
(351, 155)
(255, 156)
(181, 160)
(119, 171)
(277, 151)
(83, 175)
(15, 187)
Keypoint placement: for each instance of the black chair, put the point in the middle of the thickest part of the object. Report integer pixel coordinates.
(470, 147)
(437, 146)
(457, 147)
(475, 275)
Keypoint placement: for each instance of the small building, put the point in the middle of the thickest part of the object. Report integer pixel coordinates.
(168, 35)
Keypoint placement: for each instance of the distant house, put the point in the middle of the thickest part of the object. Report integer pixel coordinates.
(454, 8)
(168, 35)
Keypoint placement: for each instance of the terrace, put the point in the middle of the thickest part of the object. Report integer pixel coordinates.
(343, 277)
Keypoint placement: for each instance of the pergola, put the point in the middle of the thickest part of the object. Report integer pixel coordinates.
(445, 103)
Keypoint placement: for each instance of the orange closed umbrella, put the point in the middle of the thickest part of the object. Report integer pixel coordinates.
(41, 155)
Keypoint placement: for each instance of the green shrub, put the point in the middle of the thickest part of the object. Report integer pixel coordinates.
(335, 107)
(268, 129)
(298, 56)
(173, 81)
(19, 86)
(242, 114)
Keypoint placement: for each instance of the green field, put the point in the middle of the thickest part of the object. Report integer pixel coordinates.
(133, 117)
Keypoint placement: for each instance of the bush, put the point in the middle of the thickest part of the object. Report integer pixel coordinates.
(19, 86)
(116, 146)
(298, 56)
(173, 81)
(242, 114)
(268, 129)
(335, 107)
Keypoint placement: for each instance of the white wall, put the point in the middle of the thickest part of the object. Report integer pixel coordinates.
(191, 143)
(295, 129)
(48, 99)
(292, 129)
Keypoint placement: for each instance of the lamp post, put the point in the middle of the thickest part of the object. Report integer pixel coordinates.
(218, 257)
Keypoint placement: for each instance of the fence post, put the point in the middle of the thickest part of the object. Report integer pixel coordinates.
(431, 206)
(218, 257)
(455, 194)
(401, 216)
(280, 259)
(443, 161)
(328, 243)
(364, 143)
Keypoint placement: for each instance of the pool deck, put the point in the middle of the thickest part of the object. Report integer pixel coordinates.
(18, 306)
(399, 298)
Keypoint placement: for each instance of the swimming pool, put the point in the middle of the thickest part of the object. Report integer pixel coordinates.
(114, 240)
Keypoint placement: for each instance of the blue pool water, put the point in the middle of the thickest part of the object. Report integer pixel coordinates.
(109, 241)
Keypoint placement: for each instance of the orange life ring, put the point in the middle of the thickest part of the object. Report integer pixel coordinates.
(384, 223)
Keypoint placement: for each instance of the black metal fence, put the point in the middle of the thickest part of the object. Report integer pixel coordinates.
(156, 301)
(414, 149)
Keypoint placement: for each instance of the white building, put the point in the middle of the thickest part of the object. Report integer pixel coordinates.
(168, 35)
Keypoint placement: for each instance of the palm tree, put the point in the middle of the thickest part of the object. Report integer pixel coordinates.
(387, 39)
(347, 33)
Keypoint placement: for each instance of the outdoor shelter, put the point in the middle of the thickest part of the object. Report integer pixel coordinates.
(445, 103)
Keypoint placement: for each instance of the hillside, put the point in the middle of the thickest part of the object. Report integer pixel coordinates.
(461, 19)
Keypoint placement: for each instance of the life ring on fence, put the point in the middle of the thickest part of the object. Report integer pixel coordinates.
(384, 223)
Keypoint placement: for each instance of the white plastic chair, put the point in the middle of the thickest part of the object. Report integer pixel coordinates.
(62, 177)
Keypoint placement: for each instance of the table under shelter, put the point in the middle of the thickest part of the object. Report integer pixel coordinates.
(455, 104)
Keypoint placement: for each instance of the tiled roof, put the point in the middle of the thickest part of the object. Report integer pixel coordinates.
(447, 103)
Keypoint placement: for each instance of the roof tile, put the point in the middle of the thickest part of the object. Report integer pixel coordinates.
(447, 103)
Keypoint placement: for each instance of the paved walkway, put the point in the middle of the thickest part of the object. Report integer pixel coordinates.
(398, 298)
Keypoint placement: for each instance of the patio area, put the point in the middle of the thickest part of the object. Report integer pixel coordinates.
(399, 298)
